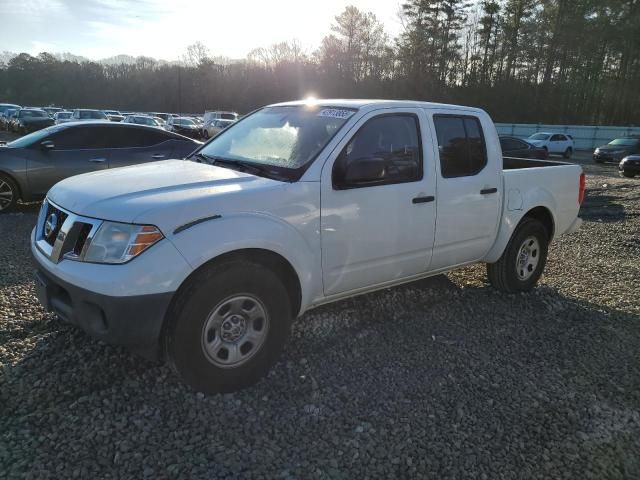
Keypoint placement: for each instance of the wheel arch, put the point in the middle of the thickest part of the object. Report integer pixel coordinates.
(542, 213)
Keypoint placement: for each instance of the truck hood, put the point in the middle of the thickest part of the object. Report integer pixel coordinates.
(182, 189)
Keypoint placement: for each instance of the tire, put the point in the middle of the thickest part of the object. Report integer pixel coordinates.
(226, 307)
(9, 194)
(628, 174)
(205, 133)
(507, 273)
(567, 153)
(546, 152)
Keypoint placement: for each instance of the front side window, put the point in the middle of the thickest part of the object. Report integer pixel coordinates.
(558, 138)
(385, 150)
(461, 145)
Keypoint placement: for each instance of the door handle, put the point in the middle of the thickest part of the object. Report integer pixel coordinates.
(158, 156)
(97, 160)
(427, 199)
(487, 191)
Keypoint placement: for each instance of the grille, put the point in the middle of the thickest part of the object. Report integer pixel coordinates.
(60, 217)
(83, 234)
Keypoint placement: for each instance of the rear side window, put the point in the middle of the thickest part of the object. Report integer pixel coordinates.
(461, 145)
(132, 137)
(558, 138)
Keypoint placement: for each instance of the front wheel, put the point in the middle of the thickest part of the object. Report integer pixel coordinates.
(628, 174)
(205, 133)
(521, 264)
(8, 194)
(228, 326)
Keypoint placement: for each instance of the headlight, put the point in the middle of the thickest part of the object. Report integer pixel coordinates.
(120, 242)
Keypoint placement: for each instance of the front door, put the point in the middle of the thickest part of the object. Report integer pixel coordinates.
(75, 150)
(378, 203)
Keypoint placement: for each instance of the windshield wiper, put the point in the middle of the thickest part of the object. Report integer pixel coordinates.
(248, 167)
(202, 157)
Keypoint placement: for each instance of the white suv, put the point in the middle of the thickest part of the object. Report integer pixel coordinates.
(557, 143)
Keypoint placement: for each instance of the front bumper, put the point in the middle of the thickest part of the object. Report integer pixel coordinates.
(134, 322)
(119, 304)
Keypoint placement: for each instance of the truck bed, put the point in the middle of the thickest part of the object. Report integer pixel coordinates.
(513, 163)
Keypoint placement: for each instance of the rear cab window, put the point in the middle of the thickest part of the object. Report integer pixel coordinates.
(461, 145)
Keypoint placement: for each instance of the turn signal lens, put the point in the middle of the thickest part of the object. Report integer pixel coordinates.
(147, 237)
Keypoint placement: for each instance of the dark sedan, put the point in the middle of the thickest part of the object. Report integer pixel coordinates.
(184, 126)
(630, 166)
(28, 120)
(31, 165)
(515, 147)
(617, 149)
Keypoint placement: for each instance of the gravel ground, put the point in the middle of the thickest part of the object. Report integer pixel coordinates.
(443, 378)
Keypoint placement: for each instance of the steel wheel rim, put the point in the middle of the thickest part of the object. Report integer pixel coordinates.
(6, 194)
(235, 331)
(528, 258)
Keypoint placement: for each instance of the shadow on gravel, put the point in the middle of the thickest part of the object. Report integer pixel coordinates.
(431, 378)
(602, 208)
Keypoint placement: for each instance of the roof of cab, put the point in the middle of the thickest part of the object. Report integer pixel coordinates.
(372, 104)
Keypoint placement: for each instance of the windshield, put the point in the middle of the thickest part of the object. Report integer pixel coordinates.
(539, 136)
(92, 114)
(624, 142)
(33, 113)
(183, 121)
(63, 115)
(32, 138)
(228, 116)
(286, 137)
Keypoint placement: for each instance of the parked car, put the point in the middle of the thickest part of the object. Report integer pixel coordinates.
(617, 149)
(557, 143)
(51, 111)
(114, 115)
(4, 107)
(63, 117)
(5, 118)
(209, 261)
(88, 115)
(30, 165)
(219, 115)
(515, 147)
(183, 126)
(28, 120)
(214, 127)
(629, 166)
(142, 120)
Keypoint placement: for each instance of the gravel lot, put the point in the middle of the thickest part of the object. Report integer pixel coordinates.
(443, 378)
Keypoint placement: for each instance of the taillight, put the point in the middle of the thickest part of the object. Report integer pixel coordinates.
(583, 182)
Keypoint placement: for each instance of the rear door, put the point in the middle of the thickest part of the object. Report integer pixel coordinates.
(558, 143)
(132, 145)
(469, 188)
(76, 150)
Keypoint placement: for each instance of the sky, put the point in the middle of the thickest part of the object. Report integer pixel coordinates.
(163, 29)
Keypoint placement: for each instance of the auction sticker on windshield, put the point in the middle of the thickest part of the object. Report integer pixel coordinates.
(335, 113)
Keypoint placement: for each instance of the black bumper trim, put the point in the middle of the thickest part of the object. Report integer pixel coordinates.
(134, 322)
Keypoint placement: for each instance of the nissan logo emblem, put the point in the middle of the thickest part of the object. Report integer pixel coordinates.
(50, 225)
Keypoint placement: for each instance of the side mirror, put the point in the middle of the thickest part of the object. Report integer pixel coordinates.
(47, 145)
(362, 171)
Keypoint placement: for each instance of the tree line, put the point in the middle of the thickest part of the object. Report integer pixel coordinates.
(548, 61)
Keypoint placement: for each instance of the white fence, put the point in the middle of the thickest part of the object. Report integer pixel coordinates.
(585, 137)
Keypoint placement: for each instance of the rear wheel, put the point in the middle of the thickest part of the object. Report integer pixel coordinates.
(521, 265)
(567, 153)
(205, 133)
(8, 194)
(228, 326)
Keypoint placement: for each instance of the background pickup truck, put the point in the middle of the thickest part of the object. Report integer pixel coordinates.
(206, 262)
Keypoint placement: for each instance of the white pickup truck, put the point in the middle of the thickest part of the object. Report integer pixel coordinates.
(206, 261)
